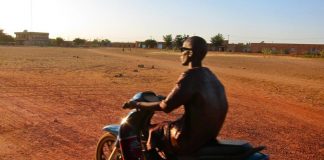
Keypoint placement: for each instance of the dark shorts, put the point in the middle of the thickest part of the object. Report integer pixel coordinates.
(159, 137)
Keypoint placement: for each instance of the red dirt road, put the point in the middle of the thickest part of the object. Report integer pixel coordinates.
(54, 101)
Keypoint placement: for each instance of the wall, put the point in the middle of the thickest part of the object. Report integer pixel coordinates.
(122, 45)
(287, 48)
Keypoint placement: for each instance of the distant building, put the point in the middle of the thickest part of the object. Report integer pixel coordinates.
(32, 38)
(161, 45)
(239, 47)
(221, 48)
(141, 44)
(123, 45)
(287, 48)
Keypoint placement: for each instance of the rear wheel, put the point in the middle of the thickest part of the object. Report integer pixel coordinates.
(106, 148)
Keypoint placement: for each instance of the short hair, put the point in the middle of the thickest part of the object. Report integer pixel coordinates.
(199, 47)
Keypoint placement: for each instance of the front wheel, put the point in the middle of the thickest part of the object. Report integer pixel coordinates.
(106, 149)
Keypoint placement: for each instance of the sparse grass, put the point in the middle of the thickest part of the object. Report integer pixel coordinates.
(314, 55)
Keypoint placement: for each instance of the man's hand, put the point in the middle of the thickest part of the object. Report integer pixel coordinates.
(153, 106)
(130, 105)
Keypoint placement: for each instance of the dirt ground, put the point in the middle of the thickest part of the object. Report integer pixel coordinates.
(54, 101)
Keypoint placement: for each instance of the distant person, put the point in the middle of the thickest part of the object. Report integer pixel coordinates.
(204, 100)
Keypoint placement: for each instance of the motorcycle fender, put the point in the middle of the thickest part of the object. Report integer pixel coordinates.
(258, 156)
(113, 129)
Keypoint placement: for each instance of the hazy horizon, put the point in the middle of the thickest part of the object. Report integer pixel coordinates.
(128, 21)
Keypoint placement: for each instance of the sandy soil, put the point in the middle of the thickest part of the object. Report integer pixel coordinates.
(54, 101)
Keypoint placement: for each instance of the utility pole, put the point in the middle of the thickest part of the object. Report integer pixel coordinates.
(228, 37)
(31, 15)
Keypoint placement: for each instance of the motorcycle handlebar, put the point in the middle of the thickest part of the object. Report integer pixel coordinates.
(128, 105)
(125, 105)
(161, 97)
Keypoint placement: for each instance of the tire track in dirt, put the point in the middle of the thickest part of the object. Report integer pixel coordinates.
(284, 116)
(276, 123)
(57, 122)
(299, 124)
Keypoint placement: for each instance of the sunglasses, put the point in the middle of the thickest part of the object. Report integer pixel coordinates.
(185, 49)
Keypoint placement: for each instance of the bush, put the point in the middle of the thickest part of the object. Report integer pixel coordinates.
(321, 54)
(266, 51)
(276, 52)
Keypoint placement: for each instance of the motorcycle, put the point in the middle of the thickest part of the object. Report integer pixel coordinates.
(127, 141)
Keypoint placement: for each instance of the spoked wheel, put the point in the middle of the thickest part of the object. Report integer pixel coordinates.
(106, 149)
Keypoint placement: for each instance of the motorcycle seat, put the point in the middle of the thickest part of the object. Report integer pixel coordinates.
(227, 148)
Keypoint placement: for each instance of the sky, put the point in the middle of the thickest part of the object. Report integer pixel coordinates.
(273, 21)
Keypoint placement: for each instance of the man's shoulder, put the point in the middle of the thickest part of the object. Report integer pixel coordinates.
(196, 70)
(195, 73)
(199, 72)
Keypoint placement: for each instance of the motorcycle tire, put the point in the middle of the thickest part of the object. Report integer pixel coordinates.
(105, 147)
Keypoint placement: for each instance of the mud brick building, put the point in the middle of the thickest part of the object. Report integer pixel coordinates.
(239, 47)
(220, 48)
(32, 38)
(122, 44)
(286, 48)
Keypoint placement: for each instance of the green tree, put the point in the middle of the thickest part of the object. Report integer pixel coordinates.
(95, 43)
(105, 42)
(178, 41)
(217, 41)
(5, 38)
(150, 43)
(168, 41)
(59, 41)
(79, 41)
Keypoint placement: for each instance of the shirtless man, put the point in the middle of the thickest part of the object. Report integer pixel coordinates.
(204, 100)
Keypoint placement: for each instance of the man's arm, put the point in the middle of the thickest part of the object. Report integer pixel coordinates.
(179, 95)
(153, 106)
